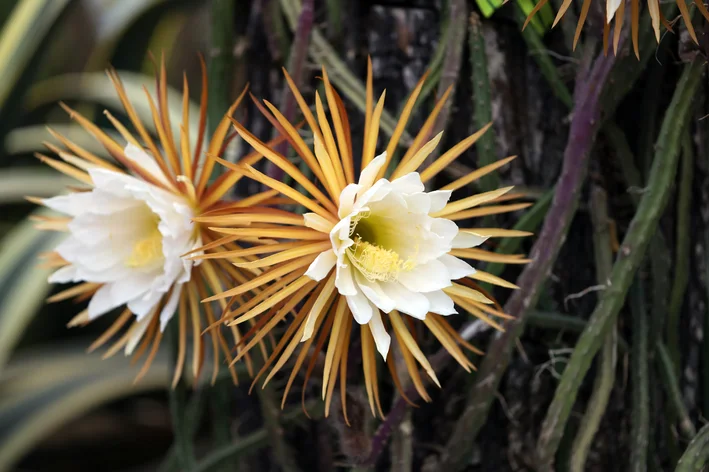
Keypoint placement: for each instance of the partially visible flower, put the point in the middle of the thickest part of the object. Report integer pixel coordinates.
(368, 249)
(130, 226)
(615, 9)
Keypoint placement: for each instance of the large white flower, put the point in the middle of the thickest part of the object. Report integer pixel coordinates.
(370, 245)
(129, 236)
(131, 224)
(389, 253)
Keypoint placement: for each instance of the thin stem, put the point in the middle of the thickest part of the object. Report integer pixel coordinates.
(482, 110)
(640, 383)
(682, 250)
(178, 400)
(334, 18)
(220, 69)
(433, 68)
(605, 378)
(705, 345)
(628, 68)
(696, 455)
(219, 406)
(249, 444)
(659, 254)
(539, 53)
(631, 254)
(323, 53)
(584, 126)
(671, 384)
(220, 65)
(457, 15)
(556, 321)
(280, 449)
(296, 62)
(402, 443)
(193, 416)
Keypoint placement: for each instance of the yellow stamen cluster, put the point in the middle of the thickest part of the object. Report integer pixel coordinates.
(377, 263)
(147, 250)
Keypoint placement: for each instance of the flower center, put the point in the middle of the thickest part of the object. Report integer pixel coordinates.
(147, 251)
(371, 254)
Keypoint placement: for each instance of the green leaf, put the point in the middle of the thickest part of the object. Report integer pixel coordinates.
(23, 284)
(16, 183)
(21, 37)
(115, 17)
(30, 139)
(49, 388)
(541, 21)
(97, 88)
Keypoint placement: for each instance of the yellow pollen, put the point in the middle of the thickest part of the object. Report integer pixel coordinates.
(147, 250)
(377, 263)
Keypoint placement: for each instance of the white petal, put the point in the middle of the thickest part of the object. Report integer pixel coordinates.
(168, 310)
(409, 183)
(360, 307)
(64, 275)
(96, 201)
(378, 191)
(119, 292)
(376, 295)
(441, 303)
(465, 239)
(65, 204)
(115, 183)
(96, 259)
(457, 268)
(418, 203)
(611, 7)
(379, 333)
(322, 265)
(344, 279)
(427, 277)
(317, 222)
(340, 235)
(137, 331)
(127, 186)
(119, 228)
(146, 161)
(347, 199)
(102, 302)
(129, 288)
(411, 303)
(144, 305)
(369, 173)
(439, 199)
(444, 228)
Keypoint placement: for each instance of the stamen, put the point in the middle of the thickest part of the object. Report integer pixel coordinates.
(147, 250)
(355, 219)
(377, 263)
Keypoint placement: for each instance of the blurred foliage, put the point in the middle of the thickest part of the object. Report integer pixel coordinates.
(53, 51)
